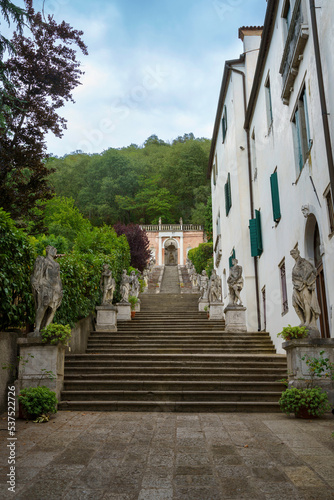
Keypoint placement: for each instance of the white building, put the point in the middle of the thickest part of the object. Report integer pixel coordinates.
(271, 162)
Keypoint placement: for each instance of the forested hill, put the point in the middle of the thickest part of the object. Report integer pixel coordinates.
(139, 184)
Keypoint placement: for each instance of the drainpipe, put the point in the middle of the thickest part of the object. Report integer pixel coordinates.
(251, 198)
(322, 96)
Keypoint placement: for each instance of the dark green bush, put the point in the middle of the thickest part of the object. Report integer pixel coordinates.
(314, 399)
(17, 258)
(37, 401)
(201, 256)
(56, 334)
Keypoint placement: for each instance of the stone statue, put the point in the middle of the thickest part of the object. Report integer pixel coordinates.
(125, 287)
(204, 286)
(215, 288)
(193, 276)
(47, 289)
(189, 264)
(235, 283)
(107, 285)
(304, 298)
(146, 273)
(134, 284)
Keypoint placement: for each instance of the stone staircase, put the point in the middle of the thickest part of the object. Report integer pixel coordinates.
(171, 358)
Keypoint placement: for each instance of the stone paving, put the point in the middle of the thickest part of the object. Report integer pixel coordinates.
(171, 456)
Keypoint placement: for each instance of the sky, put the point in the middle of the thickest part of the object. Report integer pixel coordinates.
(154, 67)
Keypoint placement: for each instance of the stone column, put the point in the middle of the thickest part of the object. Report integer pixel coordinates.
(106, 318)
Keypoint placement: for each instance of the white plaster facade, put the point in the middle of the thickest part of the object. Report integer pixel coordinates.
(273, 147)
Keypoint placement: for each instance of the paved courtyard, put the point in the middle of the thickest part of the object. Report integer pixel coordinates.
(171, 456)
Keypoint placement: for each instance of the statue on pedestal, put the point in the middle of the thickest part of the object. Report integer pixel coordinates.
(146, 277)
(125, 287)
(47, 289)
(134, 284)
(304, 298)
(215, 289)
(107, 285)
(204, 286)
(235, 283)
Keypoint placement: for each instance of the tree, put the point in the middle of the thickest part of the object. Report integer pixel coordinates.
(40, 77)
(138, 243)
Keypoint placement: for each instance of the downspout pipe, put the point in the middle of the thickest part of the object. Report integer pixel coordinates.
(323, 104)
(251, 197)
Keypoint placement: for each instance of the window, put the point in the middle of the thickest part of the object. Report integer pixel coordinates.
(218, 224)
(231, 258)
(228, 197)
(256, 235)
(275, 197)
(301, 130)
(224, 123)
(286, 15)
(215, 170)
(330, 209)
(269, 107)
(284, 293)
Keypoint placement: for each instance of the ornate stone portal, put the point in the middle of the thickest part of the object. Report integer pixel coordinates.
(304, 298)
(47, 289)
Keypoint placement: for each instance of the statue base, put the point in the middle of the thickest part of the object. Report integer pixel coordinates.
(202, 303)
(313, 333)
(123, 311)
(235, 319)
(106, 320)
(216, 311)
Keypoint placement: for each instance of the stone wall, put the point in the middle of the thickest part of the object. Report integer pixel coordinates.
(8, 356)
(80, 334)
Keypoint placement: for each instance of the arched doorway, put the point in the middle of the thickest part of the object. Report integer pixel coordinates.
(171, 253)
(313, 248)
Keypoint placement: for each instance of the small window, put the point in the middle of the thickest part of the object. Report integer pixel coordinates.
(286, 15)
(301, 130)
(228, 196)
(255, 234)
(284, 293)
(215, 170)
(224, 123)
(330, 209)
(269, 107)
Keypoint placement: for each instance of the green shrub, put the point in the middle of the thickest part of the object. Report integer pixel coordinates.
(56, 334)
(37, 401)
(133, 301)
(201, 256)
(314, 399)
(17, 258)
(40, 243)
(293, 332)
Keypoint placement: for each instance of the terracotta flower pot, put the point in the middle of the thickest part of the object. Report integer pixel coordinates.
(133, 314)
(303, 412)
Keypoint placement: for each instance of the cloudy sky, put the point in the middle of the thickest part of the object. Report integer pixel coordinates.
(154, 67)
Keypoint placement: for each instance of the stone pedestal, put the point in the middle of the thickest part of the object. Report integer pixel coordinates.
(137, 306)
(235, 319)
(37, 359)
(106, 319)
(123, 311)
(216, 310)
(298, 371)
(202, 303)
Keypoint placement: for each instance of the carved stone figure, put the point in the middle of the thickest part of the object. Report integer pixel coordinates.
(134, 284)
(204, 286)
(146, 273)
(47, 289)
(215, 288)
(125, 287)
(235, 283)
(189, 264)
(193, 276)
(304, 298)
(107, 285)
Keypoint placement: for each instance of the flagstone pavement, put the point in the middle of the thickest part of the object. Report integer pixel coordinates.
(170, 456)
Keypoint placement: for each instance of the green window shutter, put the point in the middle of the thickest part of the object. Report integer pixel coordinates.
(255, 235)
(228, 196)
(275, 197)
(232, 257)
(224, 123)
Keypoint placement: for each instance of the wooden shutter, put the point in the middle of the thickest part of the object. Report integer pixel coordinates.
(275, 197)
(255, 235)
(228, 196)
(232, 257)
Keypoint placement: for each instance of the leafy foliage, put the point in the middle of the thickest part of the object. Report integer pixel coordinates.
(202, 256)
(138, 243)
(319, 367)
(314, 399)
(16, 264)
(40, 77)
(293, 332)
(37, 401)
(56, 334)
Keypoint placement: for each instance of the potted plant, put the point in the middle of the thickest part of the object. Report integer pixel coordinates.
(37, 403)
(293, 332)
(304, 403)
(55, 334)
(133, 301)
(206, 309)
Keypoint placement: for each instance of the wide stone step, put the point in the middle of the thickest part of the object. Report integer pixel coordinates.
(109, 374)
(166, 395)
(180, 350)
(220, 359)
(172, 406)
